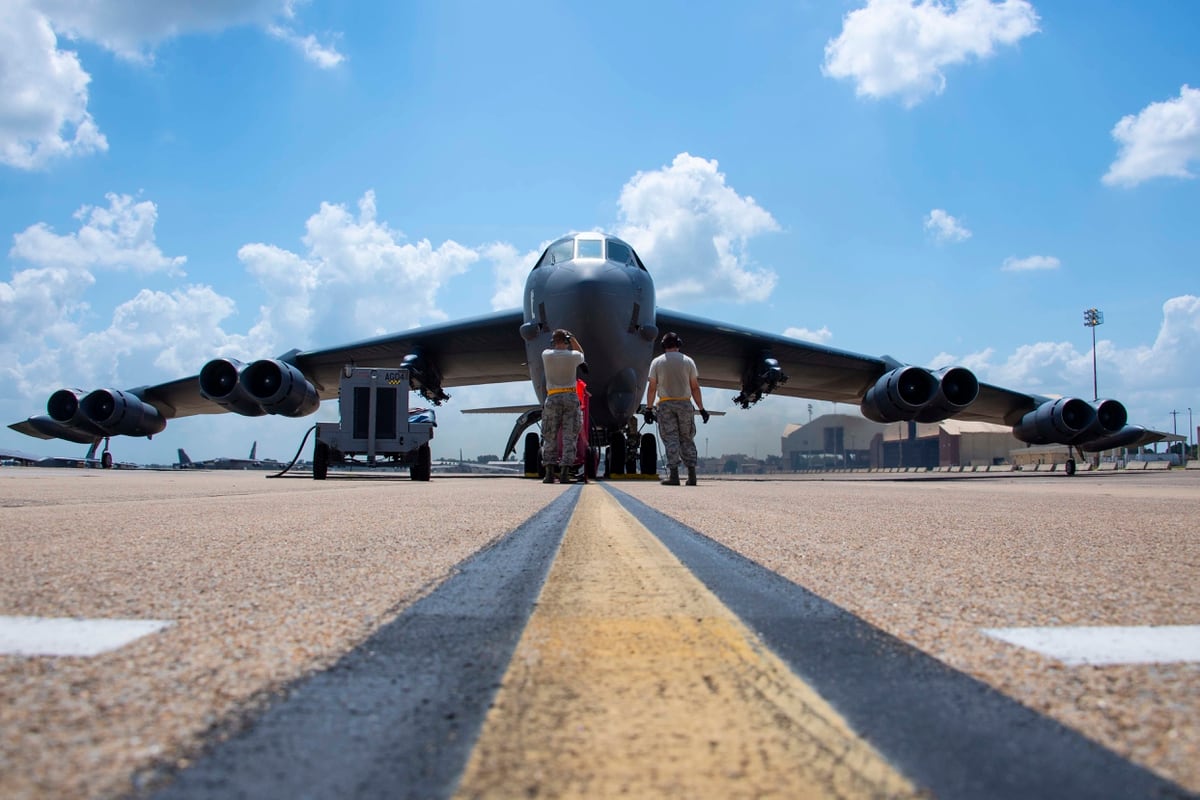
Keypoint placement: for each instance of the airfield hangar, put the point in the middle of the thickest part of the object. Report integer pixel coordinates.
(848, 441)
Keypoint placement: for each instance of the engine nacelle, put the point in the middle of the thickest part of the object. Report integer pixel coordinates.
(119, 413)
(957, 389)
(1108, 429)
(1111, 418)
(220, 382)
(1061, 421)
(1125, 436)
(280, 388)
(900, 395)
(65, 408)
(760, 379)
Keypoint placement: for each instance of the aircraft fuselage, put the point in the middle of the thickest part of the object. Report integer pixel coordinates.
(594, 286)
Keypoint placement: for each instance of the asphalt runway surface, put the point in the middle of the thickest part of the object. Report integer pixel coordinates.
(496, 637)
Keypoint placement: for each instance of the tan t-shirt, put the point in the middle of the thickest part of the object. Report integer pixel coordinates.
(560, 368)
(674, 372)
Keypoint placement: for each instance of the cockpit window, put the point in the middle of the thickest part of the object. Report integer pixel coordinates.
(590, 248)
(565, 250)
(561, 251)
(619, 253)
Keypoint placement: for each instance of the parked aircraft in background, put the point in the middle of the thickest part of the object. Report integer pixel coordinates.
(250, 462)
(90, 461)
(596, 286)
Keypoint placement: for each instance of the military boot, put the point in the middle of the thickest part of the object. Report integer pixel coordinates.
(549, 474)
(565, 476)
(673, 478)
(691, 481)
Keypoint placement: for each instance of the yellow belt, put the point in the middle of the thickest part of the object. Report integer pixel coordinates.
(560, 391)
(663, 399)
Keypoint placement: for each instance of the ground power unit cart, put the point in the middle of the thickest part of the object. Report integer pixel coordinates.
(376, 422)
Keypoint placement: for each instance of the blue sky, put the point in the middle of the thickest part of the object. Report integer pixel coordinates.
(941, 182)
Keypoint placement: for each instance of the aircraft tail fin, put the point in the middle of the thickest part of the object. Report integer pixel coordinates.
(253, 450)
(184, 461)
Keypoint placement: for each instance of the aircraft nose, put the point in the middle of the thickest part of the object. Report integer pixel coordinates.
(590, 276)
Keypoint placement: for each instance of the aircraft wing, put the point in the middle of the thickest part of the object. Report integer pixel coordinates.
(486, 349)
(724, 352)
(731, 357)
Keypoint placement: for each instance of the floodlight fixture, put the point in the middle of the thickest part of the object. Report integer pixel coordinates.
(1091, 318)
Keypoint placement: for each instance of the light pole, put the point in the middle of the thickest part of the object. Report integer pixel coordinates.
(1191, 431)
(1091, 318)
(1174, 425)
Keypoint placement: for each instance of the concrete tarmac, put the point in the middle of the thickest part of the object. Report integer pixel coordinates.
(283, 593)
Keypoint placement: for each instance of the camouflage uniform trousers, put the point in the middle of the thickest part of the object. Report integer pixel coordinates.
(560, 413)
(677, 427)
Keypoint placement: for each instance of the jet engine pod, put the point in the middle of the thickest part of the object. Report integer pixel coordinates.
(957, 388)
(900, 394)
(64, 407)
(120, 413)
(1108, 425)
(280, 388)
(1058, 421)
(1111, 417)
(220, 382)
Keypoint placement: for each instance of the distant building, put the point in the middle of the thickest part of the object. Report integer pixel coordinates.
(847, 441)
(832, 441)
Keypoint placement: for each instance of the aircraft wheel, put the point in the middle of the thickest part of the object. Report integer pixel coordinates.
(320, 461)
(422, 468)
(616, 455)
(106, 460)
(533, 455)
(1070, 466)
(649, 454)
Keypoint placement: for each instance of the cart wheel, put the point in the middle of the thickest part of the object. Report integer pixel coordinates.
(649, 454)
(533, 455)
(423, 467)
(320, 461)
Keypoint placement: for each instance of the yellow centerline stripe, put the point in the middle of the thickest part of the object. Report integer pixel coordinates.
(631, 678)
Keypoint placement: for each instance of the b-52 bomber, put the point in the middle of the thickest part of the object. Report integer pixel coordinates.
(596, 286)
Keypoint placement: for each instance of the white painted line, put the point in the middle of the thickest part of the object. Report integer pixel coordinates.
(44, 636)
(1145, 644)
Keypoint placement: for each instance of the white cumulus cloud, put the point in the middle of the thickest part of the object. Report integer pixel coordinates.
(43, 93)
(46, 340)
(900, 47)
(945, 228)
(44, 112)
(323, 55)
(691, 229)
(1160, 141)
(1149, 379)
(1030, 264)
(119, 237)
(510, 267)
(822, 336)
(358, 277)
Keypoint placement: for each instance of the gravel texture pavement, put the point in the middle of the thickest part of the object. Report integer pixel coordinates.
(268, 580)
(935, 561)
(264, 580)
